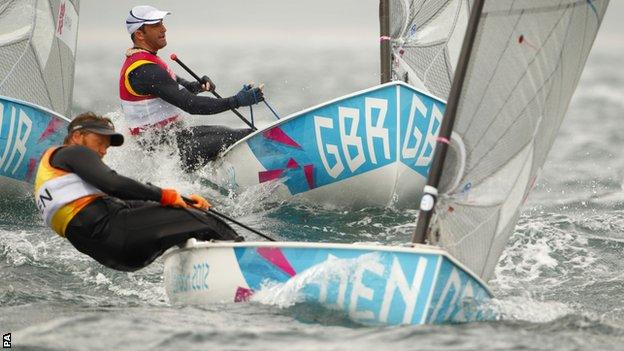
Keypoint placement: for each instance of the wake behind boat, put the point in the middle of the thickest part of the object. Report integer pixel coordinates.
(38, 47)
(519, 66)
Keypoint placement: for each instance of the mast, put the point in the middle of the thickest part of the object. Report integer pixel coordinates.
(430, 196)
(384, 39)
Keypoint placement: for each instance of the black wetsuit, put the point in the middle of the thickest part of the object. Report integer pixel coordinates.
(197, 144)
(128, 228)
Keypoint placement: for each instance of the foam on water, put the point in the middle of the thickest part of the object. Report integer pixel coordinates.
(18, 250)
(292, 291)
(526, 308)
(65, 275)
(160, 166)
(536, 251)
(560, 265)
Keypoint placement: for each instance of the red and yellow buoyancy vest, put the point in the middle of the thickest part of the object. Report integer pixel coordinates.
(60, 195)
(144, 112)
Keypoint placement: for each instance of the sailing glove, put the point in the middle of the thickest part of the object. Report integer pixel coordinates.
(249, 95)
(208, 85)
(170, 197)
(199, 202)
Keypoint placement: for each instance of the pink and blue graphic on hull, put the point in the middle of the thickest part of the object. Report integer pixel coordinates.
(370, 286)
(350, 136)
(26, 131)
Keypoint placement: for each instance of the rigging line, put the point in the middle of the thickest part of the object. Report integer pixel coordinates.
(211, 211)
(593, 7)
(217, 214)
(517, 83)
(546, 82)
(251, 114)
(271, 108)
(203, 220)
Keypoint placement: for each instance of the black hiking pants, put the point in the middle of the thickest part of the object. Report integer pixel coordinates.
(201, 144)
(129, 235)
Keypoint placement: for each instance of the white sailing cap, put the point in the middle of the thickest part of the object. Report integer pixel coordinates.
(144, 14)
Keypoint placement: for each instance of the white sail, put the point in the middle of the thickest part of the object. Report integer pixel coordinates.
(426, 40)
(38, 48)
(526, 61)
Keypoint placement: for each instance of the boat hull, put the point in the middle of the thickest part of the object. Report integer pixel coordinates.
(26, 131)
(370, 284)
(370, 148)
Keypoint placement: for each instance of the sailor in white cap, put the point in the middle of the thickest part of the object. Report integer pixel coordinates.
(154, 98)
(145, 14)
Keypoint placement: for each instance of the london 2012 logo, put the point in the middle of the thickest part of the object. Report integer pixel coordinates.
(6, 341)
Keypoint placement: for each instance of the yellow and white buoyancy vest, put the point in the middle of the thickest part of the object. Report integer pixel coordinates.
(60, 195)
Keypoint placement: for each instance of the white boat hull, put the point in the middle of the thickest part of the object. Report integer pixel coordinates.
(26, 131)
(371, 284)
(370, 148)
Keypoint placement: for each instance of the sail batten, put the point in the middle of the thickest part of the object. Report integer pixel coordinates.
(526, 61)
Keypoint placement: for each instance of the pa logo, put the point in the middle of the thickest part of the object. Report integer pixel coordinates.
(6, 341)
